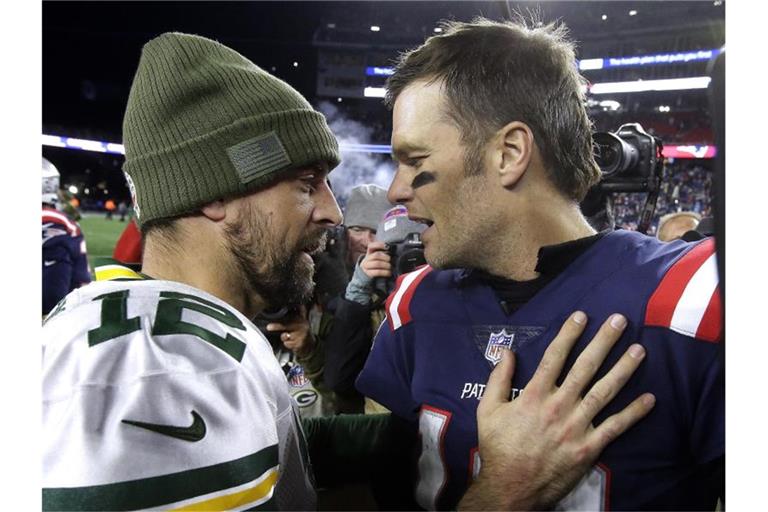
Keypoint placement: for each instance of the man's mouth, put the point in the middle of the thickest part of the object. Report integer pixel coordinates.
(315, 247)
(421, 220)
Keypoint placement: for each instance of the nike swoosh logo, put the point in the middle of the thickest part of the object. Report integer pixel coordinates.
(49, 263)
(193, 433)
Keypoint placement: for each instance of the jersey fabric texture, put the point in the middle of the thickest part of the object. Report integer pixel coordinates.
(445, 331)
(65, 261)
(159, 395)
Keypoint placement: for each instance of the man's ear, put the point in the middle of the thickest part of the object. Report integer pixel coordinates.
(514, 149)
(215, 211)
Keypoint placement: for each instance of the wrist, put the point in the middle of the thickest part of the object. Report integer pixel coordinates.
(489, 492)
(359, 287)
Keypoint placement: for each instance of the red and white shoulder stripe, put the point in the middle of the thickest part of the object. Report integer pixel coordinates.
(60, 218)
(399, 301)
(688, 298)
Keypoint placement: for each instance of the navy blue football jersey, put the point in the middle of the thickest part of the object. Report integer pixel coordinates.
(445, 331)
(65, 262)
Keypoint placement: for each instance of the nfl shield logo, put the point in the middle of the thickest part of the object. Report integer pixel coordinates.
(296, 377)
(497, 343)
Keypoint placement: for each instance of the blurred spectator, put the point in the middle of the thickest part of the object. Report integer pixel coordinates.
(674, 225)
(110, 207)
(65, 262)
(122, 210)
(686, 187)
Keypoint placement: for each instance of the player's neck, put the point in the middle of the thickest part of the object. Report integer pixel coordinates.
(205, 266)
(556, 222)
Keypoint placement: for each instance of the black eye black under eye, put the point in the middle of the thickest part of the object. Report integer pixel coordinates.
(423, 178)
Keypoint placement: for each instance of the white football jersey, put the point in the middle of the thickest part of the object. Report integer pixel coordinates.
(157, 395)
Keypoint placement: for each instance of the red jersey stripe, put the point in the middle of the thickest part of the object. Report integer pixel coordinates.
(710, 328)
(663, 301)
(404, 308)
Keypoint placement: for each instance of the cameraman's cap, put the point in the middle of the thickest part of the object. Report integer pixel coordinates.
(395, 226)
(203, 123)
(366, 205)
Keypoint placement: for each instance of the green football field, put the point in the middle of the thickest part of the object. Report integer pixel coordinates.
(100, 234)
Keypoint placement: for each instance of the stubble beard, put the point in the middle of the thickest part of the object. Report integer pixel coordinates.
(276, 272)
(458, 246)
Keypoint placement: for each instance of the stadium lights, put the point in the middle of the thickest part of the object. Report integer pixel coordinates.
(605, 17)
(679, 151)
(633, 12)
(647, 60)
(611, 62)
(52, 140)
(438, 30)
(88, 145)
(295, 64)
(587, 64)
(73, 189)
(671, 84)
(375, 28)
(374, 92)
(610, 105)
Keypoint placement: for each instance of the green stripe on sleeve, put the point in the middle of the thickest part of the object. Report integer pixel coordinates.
(162, 490)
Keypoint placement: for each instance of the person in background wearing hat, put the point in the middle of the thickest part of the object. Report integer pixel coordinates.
(65, 257)
(158, 390)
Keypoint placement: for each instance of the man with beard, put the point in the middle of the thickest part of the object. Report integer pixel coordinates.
(494, 153)
(158, 391)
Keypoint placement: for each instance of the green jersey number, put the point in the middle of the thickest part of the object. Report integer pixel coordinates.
(115, 321)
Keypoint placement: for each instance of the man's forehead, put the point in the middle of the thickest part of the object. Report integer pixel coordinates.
(418, 111)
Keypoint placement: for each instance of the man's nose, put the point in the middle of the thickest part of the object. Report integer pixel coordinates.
(400, 190)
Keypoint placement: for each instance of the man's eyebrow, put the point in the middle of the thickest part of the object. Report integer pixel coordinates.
(403, 150)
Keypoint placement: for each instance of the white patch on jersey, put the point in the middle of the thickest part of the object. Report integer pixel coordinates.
(589, 493)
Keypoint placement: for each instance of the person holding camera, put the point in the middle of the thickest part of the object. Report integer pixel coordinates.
(360, 311)
(494, 152)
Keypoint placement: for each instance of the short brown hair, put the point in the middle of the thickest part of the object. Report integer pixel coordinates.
(498, 72)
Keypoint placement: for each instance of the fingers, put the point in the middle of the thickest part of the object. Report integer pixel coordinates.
(593, 356)
(377, 264)
(617, 424)
(606, 388)
(551, 363)
(275, 326)
(499, 384)
(376, 246)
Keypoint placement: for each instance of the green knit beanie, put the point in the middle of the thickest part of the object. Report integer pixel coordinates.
(205, 123)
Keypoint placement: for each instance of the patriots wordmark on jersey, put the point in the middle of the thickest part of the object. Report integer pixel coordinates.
(159, 395)
(444, 331)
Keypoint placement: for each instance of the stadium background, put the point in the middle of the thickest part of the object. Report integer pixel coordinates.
(27, 66)
(336, 53)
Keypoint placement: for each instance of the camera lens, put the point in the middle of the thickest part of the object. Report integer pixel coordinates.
(613, 155)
